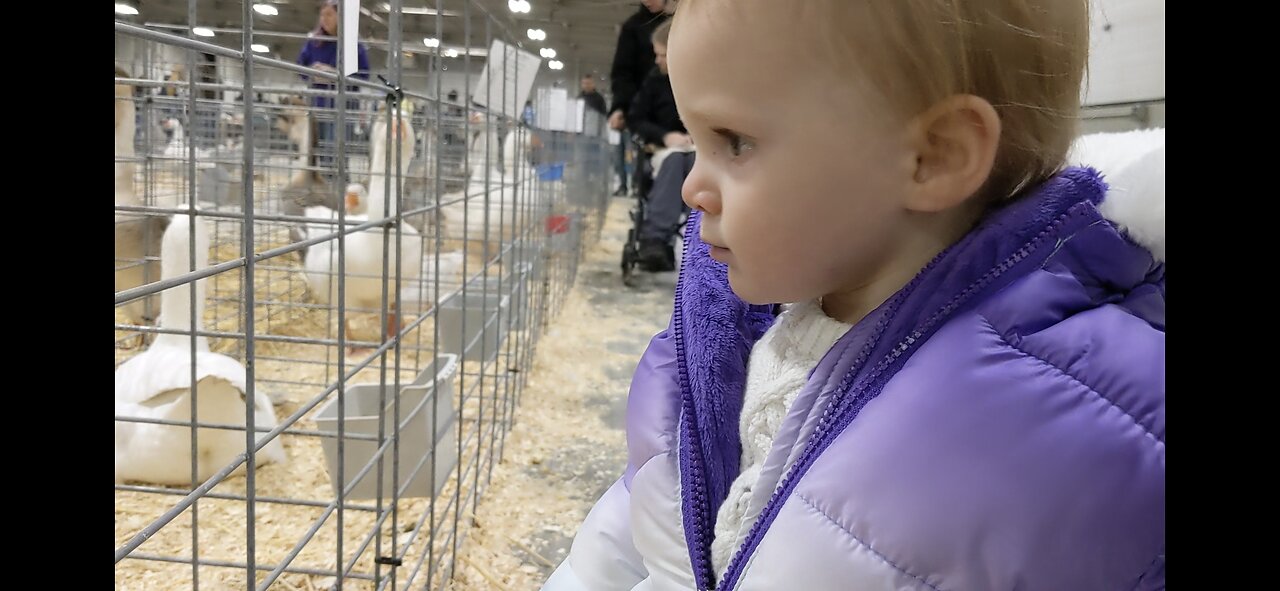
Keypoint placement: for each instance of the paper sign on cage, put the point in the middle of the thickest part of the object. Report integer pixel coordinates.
(351, 35)
(506, 80)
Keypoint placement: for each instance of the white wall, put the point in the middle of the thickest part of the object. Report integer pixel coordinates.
(418, 74)
(1126, 52)
(131, 54)
(460, 79)
(231, 71)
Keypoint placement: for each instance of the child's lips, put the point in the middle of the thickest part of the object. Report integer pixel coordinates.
(717, 252)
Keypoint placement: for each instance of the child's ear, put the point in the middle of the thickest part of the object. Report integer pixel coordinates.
(955, 142)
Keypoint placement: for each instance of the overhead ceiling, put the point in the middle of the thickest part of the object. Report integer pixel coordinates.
(582, 32)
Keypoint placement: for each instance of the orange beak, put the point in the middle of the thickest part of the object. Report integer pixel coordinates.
(353, 201)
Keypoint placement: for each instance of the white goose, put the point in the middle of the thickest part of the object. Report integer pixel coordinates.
(483, 144)
(137, 237)
(363, 274)
(489, 143)
(496, 192)
(177, 146)
(516, 164)
(156, 384)
(126, 129)
(356, 203)
(174, 159)
(307, 193)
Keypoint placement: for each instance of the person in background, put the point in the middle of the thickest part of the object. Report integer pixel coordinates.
(322, 54)
(527, 114)
(654, 118)
(454, 109)
(593, 98)
(451, 126)
(632, 60)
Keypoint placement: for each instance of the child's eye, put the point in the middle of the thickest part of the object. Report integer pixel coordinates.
(738, 145)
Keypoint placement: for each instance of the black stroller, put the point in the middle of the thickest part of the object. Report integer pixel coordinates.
(644, 184)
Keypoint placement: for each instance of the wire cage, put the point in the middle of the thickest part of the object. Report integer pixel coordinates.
(327, 301)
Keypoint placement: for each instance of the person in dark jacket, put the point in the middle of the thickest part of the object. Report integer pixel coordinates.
(653, 117)
(653, 114)
(632, 61)
(633, 58)
(322, 54)
(593, 98)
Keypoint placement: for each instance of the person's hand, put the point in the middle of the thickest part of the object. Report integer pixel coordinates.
(324, 67)
(674, 139)
(617, 121)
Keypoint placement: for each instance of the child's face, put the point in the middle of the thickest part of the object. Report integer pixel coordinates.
(800, 170)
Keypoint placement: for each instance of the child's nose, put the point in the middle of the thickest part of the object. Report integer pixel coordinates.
(699, 192)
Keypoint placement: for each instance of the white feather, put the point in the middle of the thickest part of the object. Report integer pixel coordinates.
(156, 384)
(363, 272)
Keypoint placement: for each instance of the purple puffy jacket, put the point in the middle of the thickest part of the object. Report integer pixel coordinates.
(998, 424)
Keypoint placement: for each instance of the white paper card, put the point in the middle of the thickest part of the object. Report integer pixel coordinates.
(351, 34)
(507, 71)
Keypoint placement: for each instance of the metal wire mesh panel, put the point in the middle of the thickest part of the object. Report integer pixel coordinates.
(328, 291)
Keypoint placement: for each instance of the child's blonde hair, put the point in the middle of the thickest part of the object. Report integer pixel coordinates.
(1026, 57)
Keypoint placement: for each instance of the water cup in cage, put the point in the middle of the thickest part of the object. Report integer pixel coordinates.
(485, 316)
(564, 231)
(558, 224)
(419, 402)
(551, 172)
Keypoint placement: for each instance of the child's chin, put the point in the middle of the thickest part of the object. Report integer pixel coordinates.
(749, 291)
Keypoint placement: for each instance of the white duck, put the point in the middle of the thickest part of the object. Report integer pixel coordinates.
(177, 146)
(307, 193)
(470, 205)
(156, 384)
(497, 191)
(355, 202)
(126, 129)
(516, 162)
(295, 122)
(482, 150)
(363, 273)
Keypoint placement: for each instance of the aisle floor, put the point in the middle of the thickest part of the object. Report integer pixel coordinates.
(568, 444)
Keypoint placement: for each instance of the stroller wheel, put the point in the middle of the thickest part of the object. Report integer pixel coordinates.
(630, 258)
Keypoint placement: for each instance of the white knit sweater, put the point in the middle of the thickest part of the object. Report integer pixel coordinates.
(778, 369)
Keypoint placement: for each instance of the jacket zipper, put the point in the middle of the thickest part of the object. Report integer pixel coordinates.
(693, 480)
(844, 406)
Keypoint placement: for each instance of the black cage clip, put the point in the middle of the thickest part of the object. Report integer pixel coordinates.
(395, 94)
